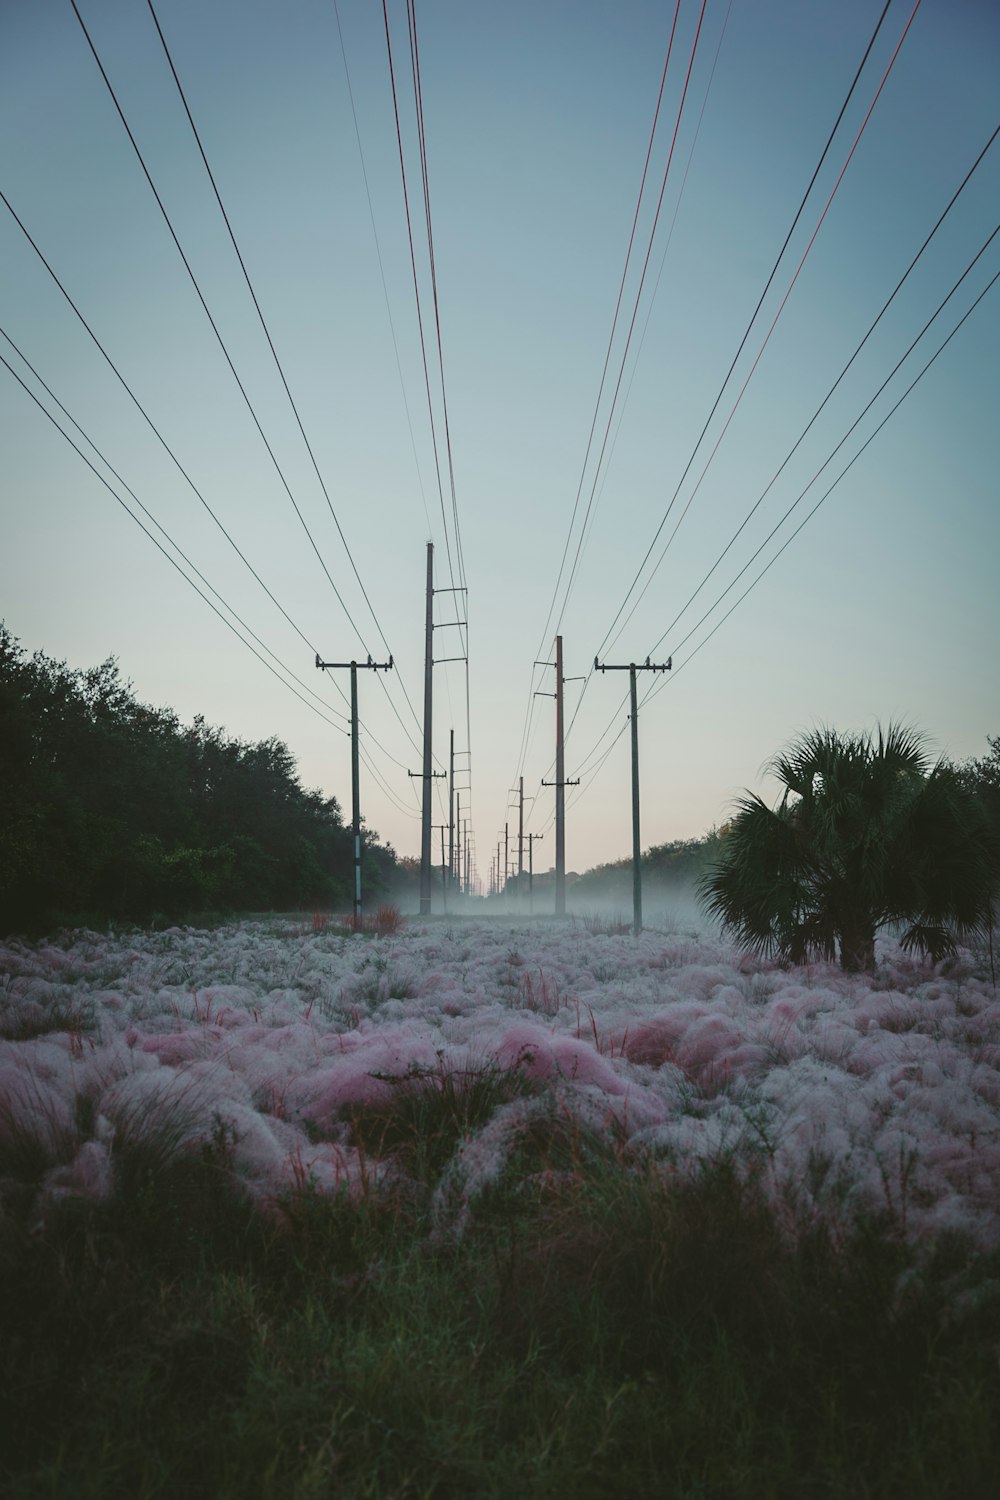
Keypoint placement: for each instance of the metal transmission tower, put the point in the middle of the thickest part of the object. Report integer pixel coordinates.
(631, 668)
(427, 774)
(560, 782)
(369, 666)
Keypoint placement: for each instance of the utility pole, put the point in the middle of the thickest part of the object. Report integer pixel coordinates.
(371, 666)
(559, 788)
(560, 783)
(451, 804)
(444, 868)
(631, 668)
(425, 822)
(531, 837)
(457, 865)
(520, 832)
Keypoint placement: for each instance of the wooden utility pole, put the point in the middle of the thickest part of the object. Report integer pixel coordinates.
(425, 823)
(451, 803)
(520, 832)
(444, 868)
(560, 788)
(457, 865)
(371, 666)
(560, 784)
(531, 837)
(631, 668)
(428, 776)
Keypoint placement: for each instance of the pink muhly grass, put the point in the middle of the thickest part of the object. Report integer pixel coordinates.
(543, 998)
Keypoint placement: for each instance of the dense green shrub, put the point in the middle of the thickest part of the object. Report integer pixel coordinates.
(113, 810)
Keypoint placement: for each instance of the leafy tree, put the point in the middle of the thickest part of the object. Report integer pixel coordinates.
(983, 777)
(113, 809)
(867, 834)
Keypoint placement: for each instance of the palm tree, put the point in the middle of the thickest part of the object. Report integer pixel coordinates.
(867, 834)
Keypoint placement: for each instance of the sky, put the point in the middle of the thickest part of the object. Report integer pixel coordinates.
(537, 120)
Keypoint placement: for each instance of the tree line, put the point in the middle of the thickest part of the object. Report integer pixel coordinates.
(116, 811)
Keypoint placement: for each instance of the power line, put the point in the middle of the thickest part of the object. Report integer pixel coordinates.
(753, 319)
(416, 284)
(658, 687)
(214, 326)
(597, 405)
(381, 267)
(611, 336)
(161, 529)
(635, 314)
(418, 94)
(719, 623)
(885, 307)
(418, 100)
(270, 341)
(422, 141)
(760, 302)
(173, 562)
(853, 427)
(181, 553)
(150, 423)
(167, 449)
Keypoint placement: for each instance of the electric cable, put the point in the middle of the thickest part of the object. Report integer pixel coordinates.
(885, 307)
(270, 343)
(214, 326)
(760, 302)
(150, 423)
(852, 428)
(173, 562)
(162, 529)
(635, 314)
(381, 266)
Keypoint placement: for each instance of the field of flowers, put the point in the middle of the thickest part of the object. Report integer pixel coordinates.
(270, 1043)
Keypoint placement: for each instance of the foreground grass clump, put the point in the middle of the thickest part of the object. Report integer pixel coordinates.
(600, 1327)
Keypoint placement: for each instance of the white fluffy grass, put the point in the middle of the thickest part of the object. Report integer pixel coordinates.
(847, 1094)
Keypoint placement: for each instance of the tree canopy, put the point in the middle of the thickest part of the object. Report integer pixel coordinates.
(115, 810)
(868, 834)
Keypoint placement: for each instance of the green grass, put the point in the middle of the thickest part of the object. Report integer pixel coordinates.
(600, 1329)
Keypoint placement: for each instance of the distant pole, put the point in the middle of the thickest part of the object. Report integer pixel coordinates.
(520, 833)
(355, 794)
(425, 825)
(531, 837)
(560, 788)
(631, 669)
(372, 666)
(457, 867)
(636, 841)
(451, 804)
(560, 784)
(444, 869)
(506, 857)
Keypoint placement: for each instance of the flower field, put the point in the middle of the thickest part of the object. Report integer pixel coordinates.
(274, 1041)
